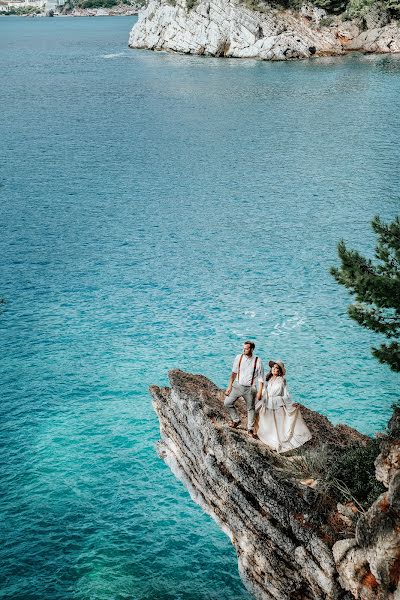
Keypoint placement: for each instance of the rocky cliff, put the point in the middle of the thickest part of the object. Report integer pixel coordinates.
(291, 540)
(369, 563)
(229, 28)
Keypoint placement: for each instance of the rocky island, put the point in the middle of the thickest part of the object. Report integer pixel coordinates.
(293, 539)
(258, 29)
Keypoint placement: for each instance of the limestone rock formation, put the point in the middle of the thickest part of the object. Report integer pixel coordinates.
(229, 28)
(282, 528)
(383, 40)
(369, 564)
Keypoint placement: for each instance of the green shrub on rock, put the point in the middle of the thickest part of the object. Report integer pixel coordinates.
(349, 9)
(291, 4)
(352, 473)
(343, 474)
(21, 11)
(332, 6)
(358, 9)
(97, 3)
(327, 21)
(393, 6)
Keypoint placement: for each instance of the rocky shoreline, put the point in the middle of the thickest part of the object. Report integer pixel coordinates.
(119, 10)
(292, 540)
(229, 28)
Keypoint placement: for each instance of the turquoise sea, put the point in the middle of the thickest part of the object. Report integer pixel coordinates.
(157, 210)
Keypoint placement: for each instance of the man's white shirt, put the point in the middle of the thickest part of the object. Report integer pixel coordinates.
(247, 368)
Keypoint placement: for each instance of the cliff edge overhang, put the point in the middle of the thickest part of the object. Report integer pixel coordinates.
(291, 539)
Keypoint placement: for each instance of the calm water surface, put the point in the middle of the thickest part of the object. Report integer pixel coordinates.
(155, 211)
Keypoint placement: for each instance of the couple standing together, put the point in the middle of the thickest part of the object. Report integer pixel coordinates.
(279, 422)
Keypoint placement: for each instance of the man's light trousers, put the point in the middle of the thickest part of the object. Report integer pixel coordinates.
(247, 393)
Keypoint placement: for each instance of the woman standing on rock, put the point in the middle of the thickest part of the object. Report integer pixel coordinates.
(280, 424)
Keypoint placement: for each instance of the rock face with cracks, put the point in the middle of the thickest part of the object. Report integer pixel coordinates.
(229, 28)
(279, 526)
(369, 563)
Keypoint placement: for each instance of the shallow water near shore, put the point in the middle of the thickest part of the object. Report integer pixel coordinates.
(156, 211)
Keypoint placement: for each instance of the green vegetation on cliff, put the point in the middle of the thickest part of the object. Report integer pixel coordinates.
(21, 11)
(351, 473)
(96, 3)
(356, 9)
(70, 5)
(350, 9)
(344, 474)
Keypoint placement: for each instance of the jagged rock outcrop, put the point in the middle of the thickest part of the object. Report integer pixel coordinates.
(381, 40)
(282, 527)
(369, 564)
(292, 541)
(229, 28)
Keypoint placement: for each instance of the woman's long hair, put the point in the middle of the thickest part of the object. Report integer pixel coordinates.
(269, 375)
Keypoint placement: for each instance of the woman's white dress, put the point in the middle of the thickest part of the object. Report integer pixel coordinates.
(280, 424)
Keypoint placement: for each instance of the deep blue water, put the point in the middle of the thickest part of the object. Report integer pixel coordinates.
(155, 211)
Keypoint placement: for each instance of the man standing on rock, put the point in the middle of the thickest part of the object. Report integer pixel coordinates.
(247, 370)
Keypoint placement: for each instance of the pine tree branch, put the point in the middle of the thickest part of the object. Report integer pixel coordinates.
(376, 287)
(389, 354)
(377, 320)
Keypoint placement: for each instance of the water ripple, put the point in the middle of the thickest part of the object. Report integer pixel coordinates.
(156, 211)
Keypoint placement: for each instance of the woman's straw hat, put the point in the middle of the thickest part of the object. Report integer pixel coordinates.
(277, 362)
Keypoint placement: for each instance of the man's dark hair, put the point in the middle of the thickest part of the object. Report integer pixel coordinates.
(251, 344)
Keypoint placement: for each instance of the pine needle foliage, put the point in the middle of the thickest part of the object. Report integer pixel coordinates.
(376, 288)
